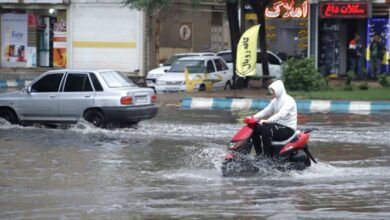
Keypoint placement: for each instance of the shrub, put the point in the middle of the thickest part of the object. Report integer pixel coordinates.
(349, 78)
(301, 74)
(363, 86)
(384, 80)
(348, 87)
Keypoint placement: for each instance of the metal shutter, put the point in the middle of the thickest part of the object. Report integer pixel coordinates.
(106, 36)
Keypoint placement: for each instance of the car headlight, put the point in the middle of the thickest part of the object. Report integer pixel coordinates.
(161, 83)
(154, 76)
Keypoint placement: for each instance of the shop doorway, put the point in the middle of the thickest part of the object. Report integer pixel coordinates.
(353, 27)
(334, 37)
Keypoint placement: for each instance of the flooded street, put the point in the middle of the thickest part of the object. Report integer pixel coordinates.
(169, 168)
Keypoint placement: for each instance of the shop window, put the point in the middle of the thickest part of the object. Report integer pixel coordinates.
(217, 19)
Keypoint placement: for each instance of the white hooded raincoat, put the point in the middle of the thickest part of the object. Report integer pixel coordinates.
(282, 109)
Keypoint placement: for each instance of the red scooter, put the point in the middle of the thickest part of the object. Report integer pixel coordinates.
(291, 154)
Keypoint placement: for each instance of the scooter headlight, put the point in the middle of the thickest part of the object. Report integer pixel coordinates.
(235, 145)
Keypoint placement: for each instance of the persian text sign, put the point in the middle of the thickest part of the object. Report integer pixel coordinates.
(344, 9)
(287, 9)
(246, 52)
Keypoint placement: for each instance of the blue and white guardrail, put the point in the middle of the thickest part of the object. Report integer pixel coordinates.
(14, 83)
(357, 107)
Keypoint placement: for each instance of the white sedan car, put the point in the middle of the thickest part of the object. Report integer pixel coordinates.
(213, 68)
(275, 63)
(153, 74)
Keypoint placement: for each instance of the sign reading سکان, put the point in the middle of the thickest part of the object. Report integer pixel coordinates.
(247, 52)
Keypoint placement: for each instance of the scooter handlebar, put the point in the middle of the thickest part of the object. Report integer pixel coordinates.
(250, 120)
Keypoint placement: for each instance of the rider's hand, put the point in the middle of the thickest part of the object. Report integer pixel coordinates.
(250, 120)
(263, 121)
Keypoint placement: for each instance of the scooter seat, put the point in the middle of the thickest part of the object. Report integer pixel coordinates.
(294, 136)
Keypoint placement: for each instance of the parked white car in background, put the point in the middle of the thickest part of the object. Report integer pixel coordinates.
(274, 61)
(153, 74)
(212, 67)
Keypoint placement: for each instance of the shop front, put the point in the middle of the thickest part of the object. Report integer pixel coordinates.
(33, 35)
(286, 27)
(339, 23)
(336, 26)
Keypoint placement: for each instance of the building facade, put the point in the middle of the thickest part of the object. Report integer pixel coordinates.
(182, 27)
(78, 34)
(286, 27)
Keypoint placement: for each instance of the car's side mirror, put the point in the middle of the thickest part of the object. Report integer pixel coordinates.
(161, 64)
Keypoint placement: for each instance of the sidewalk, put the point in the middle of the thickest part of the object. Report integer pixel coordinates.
(256, 99)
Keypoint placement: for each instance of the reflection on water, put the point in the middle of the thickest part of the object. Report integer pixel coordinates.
(170, 168)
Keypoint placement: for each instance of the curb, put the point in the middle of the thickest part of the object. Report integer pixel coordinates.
(321, 106)
(4, 84)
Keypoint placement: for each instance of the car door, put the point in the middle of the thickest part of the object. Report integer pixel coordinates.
(212, 74)
(40, 103)
(223, 71)
(76, 96)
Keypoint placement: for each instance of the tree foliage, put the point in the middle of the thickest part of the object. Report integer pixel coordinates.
(302, 75)
(156, 4)
(144, 4)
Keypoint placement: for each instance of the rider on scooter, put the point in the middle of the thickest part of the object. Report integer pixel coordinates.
(277, 121)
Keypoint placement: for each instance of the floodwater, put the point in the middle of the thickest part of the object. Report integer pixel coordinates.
(169, 168)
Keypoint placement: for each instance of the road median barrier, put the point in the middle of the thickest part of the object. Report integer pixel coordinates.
(5, 84)
(321, 106)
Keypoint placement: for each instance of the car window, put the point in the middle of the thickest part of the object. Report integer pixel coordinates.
(115, 79)
(227, 57)
(273, 60)
(77, 83)
(48, 83)
(210, 67)
(220, 65)
(179, 66)
(96, 84)
(172, 59)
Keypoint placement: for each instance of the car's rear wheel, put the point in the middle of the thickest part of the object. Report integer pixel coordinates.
(9, 116)
(96, 118)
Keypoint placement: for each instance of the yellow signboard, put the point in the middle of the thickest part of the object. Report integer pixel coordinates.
(247, 52)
